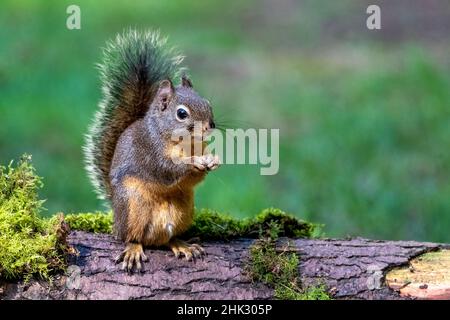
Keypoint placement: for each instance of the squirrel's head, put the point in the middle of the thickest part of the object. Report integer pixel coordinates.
(181, 108)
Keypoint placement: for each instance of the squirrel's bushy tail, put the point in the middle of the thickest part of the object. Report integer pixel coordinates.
(132, 66)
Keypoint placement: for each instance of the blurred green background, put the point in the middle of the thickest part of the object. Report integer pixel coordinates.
(364, 116)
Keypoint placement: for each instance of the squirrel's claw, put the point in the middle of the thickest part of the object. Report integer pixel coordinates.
(132, 256)
(201, 251)
(198, 163)
(213, 162)
(119, 258)
(207, 162)
(190, 251)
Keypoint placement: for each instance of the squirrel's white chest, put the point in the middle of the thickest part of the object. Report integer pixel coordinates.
(167, 220)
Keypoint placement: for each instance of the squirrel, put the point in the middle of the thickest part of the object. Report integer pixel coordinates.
(129, 151)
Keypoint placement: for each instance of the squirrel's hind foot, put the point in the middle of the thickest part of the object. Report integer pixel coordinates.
(132, 256)
(190, 251)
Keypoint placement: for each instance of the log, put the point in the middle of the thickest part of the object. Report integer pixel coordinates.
(350, 269)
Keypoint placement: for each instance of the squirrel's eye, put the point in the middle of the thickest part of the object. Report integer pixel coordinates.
(182, 113)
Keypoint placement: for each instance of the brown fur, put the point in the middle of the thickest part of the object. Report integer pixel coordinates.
(153, 206)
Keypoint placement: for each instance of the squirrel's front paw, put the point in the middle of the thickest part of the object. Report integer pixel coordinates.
(207, 162)
(190, 251)
(132, 255)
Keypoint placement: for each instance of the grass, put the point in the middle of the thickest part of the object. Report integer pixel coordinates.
(363, 120)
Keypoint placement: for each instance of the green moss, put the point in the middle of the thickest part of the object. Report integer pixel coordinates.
(212, 225)
(29, 244)
(280, 223)
(280, 271)
(98, 222)
(309, 293)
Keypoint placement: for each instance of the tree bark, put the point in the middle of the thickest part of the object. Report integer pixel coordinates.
(350, 269)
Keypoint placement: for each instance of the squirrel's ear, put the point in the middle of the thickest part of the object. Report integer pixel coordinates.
(185, 81)
(165, 93)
